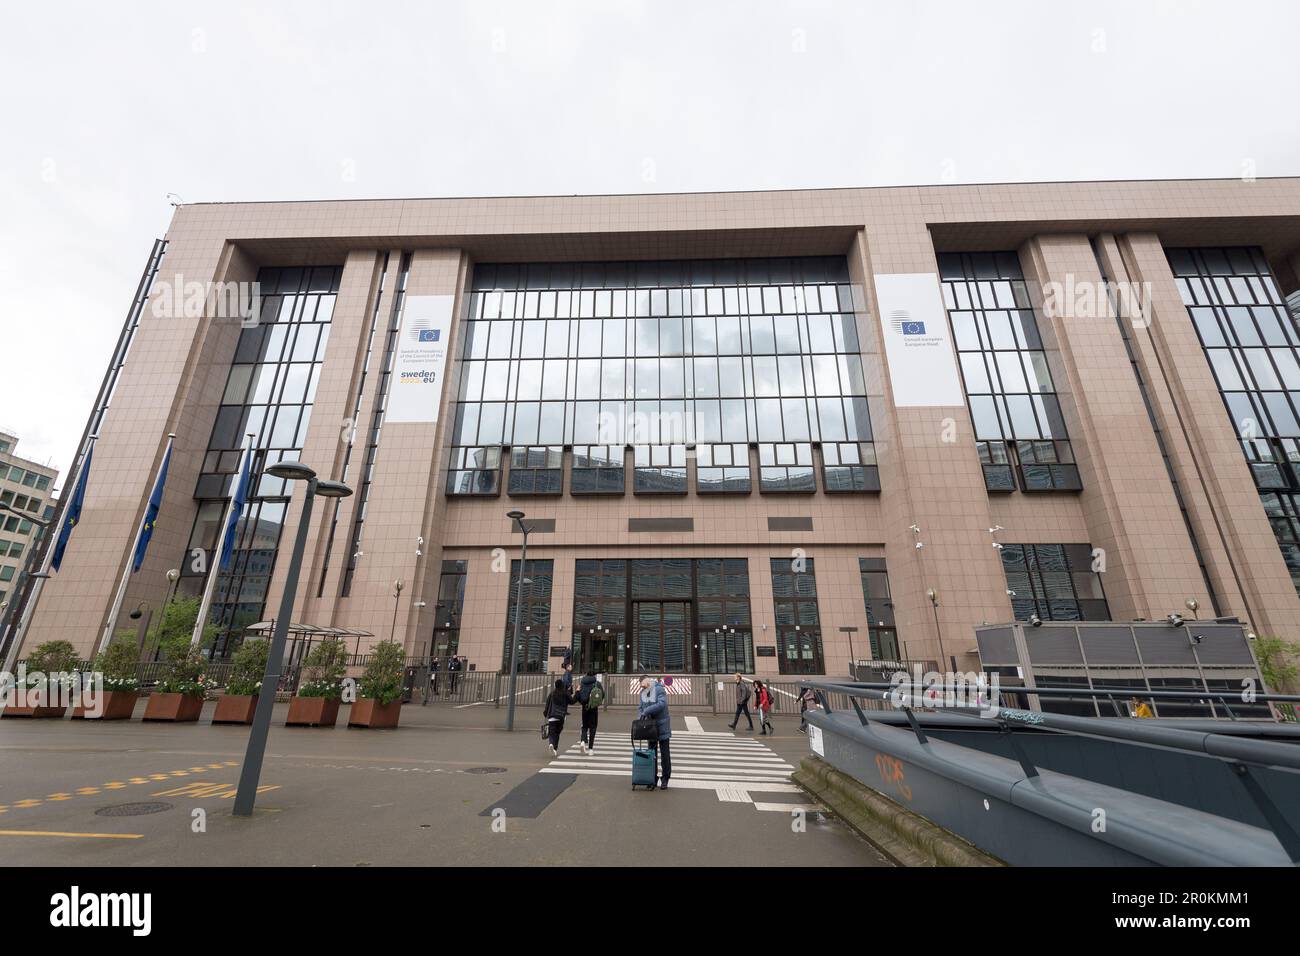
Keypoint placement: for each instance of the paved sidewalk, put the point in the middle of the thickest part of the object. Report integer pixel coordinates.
(423, 794)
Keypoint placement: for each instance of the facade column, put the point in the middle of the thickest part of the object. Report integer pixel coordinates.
(930, 478)
(1147, 565)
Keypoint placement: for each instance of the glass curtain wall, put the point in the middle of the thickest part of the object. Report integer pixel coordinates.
(703, 356)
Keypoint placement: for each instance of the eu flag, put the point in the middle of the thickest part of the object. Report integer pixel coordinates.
(73, 514)
(151, 513)
(236, 509)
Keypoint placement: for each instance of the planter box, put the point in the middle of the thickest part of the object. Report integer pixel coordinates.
(235, 709)
(13, 711)
(370, 713)
(312, 712)
(118, 705)
(174, 707)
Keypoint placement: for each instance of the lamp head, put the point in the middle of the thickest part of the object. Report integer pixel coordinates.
(332, 489)
(291, 471)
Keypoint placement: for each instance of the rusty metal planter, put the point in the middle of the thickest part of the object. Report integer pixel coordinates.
(312, 712)
(367, 712)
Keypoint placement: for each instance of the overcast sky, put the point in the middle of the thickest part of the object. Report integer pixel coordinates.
(106, 108)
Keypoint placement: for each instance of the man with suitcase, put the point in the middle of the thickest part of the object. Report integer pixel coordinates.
(653, 705)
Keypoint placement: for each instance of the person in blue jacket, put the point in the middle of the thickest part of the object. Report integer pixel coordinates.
(654, 705)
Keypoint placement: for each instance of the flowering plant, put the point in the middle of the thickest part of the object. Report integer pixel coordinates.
(247, 668)
(323, 670)
(186, 675)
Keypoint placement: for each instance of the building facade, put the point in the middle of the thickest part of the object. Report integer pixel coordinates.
(26, 493)
(763, 432)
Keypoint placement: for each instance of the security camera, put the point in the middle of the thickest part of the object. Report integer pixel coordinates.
(915, 529)
(997, 546)
(1175, 620)
(1197, 638)
(1035, 621)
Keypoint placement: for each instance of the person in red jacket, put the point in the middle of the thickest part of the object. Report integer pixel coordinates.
(763, 701)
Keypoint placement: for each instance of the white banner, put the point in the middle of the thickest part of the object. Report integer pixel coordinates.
(415, 390)
(914, 326)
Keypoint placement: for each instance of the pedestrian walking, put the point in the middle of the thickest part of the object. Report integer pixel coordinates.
(763, 701)
(742, 703)
(591, 694)
(654, 706)
(807, 700)
(453, 673)
(557, 708)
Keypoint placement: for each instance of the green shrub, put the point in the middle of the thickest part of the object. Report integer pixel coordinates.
(119, 663)
(53, 656)
(185, 672)
(382, 680)
(248, 667)
(176, 629)
(324, 669)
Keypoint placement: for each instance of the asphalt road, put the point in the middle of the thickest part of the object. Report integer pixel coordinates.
(421, 795)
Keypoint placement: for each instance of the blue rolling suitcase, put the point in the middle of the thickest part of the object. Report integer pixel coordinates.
(645, 764)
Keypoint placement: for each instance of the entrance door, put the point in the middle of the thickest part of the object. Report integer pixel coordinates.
(660, 637)
(801, 651)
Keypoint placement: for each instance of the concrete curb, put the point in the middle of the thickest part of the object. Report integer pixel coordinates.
(907, 839)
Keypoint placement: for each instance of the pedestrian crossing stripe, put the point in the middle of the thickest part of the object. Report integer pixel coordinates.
(730, 766)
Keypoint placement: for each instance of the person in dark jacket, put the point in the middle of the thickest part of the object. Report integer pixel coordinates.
(453, 671)
(742, 703)
(590, 710)
(654, 705)
(557, 708)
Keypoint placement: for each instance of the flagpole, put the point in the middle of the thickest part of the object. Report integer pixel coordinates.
(214, 566)
(38, 584)
(106, 637)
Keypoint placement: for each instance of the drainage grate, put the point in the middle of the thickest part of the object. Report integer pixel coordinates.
(486, 770)
(133, 809)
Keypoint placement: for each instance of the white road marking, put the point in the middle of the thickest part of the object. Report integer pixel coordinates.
(733, 767)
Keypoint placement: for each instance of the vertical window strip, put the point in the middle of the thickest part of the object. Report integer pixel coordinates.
(352, 423)
(376, 425)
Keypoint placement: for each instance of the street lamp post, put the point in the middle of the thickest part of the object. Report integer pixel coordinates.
(173, 577)
(850, 630)
(518, 518)
(252, 769)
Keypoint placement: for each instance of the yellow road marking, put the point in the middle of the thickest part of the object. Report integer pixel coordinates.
(115, 785)
(59, 796)
(87, 791)
(139, 779)
(27, 803)
(84, 836)
(201, 788)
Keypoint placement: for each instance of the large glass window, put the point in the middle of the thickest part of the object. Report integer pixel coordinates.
(269, 394)
(1056, 582)
(447, 612)
(535, 621)
(798, 623)
(1251, 342)
(662, 615)
(664, 355)
(882, 634)
(1019, 430)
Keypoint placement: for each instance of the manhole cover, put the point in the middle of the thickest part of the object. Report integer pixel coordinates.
(133, 809)
(486, 770)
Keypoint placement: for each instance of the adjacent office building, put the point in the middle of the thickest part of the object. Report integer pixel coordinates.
(758, 432)
(26, 492)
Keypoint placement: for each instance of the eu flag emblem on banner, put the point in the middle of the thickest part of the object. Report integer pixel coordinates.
(73, 514)
(429, 335)
(151, 513)
(236, 509)
(914, 328)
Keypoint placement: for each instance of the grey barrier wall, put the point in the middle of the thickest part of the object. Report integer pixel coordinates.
(1052, 819)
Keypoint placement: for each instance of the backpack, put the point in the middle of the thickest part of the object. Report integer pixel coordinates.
(596, 696)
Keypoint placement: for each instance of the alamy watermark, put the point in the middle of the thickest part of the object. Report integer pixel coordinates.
(976, 690)
(83, 690)
(181, 299)
(1093, 299)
